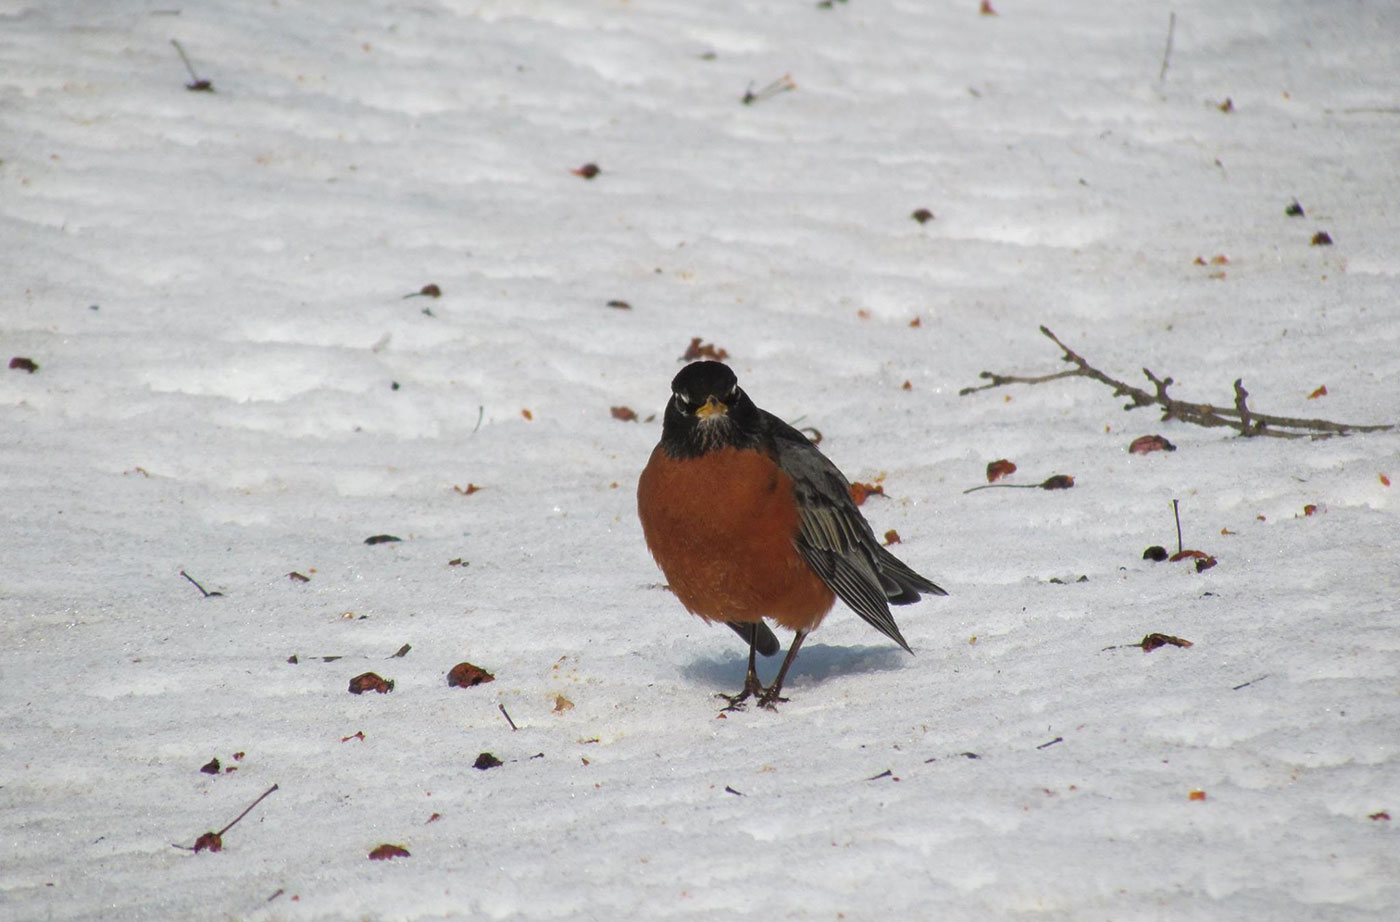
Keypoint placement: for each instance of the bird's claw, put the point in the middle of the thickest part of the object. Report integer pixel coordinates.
(769, 701)
(736, 702)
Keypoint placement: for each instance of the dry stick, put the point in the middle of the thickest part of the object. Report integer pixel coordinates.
(207, 594)
(199, 82)
(1176, 513)
(1239, 418)
(1241, 395)
(247, 811)
(507, 717)
(1167, 54)
(781, 85)
(1004, 486)
(217, 836)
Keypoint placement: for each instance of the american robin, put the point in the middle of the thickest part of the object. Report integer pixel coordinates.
(748, 520)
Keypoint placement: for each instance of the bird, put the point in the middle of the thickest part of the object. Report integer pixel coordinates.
(748, 521)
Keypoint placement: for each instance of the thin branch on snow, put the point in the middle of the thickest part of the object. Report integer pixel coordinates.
(1239, 417)
(1167, 54)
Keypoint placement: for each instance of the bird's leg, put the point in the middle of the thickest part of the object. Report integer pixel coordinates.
(769, 698)
(752, 686)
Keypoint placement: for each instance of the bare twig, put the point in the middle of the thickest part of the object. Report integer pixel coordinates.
(782, 85)
(1240, 417)
(198, 83)
(1167, 54)
(214, 841)
(247, 811)
(206, 593)
(1176, 514)
(1056, 482)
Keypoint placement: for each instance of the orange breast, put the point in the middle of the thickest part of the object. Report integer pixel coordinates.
(721, 527)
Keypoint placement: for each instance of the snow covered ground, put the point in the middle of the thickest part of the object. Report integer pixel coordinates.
(231, 384)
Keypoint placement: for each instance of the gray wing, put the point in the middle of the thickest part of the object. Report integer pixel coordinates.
(837, 542)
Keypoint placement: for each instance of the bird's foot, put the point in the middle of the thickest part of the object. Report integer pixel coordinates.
(752, 689)
(736, 702)
(770, 699)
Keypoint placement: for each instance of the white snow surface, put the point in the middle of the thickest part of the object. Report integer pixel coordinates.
(232, 384)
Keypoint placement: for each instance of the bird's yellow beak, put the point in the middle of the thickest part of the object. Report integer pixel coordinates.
(713, 406)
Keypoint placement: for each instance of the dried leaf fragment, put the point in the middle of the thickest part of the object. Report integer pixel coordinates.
(1203, 560)
(388, 852)
(527, 414)
(999, 469)
(922, 215)
(1153, 641)
(486, 761)
(1197, 795)
(891, 537)
(619, 304)
(1155, 552)
(468, 490)
(1322, 239)
(562, 704)
(703, 350)
(986, 8)
(210, 841)
(382, 539)
(20, 363)
(624, 414)
(1294, 210)
(587, 171)
(1320, 392)
(1310, 509)
(465, 675)
(370, 681)
(861, 491)
(211, 767)
(1058, 482)
(1146, 444)
(296, 577)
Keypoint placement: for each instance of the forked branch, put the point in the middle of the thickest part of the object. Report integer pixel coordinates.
(1239, 417)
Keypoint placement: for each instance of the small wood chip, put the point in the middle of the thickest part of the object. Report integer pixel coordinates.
(387, 852)
(370, 681)
(465, 675)
(1153, 641)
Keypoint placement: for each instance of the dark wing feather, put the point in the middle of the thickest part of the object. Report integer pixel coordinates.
(836, 541)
